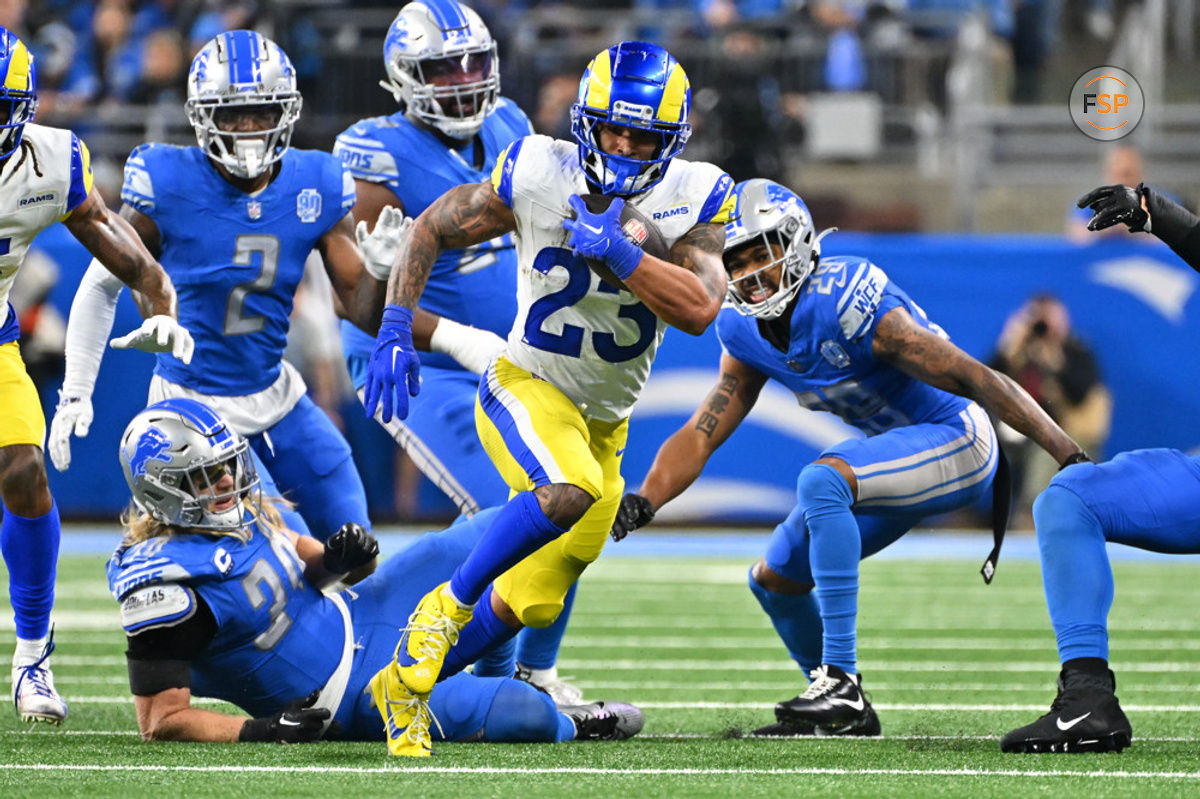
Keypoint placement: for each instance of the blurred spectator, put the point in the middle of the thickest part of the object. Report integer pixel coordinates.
(108, 60)
(555, 97)
(1037, 349)
(162, 75)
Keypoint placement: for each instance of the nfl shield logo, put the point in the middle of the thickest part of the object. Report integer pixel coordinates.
(254, 209)
(308, 205)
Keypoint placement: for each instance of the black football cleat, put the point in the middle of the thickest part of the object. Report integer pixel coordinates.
(866, 726)
(605, 721)
(1084, 717)
(833, 704)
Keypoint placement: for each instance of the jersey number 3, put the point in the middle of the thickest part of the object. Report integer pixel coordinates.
(570, 340)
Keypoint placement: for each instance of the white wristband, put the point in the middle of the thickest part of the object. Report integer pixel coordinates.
(470, 346)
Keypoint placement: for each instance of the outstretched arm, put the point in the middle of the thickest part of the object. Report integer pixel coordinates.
(922, 354)
(465, 215)
(360, 293)
(115, 243)
(1144, 209)
(681, 458)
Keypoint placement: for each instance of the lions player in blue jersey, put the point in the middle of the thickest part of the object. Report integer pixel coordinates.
(845, 339)
(233, 220)
(46, 177)
(1149, 499)
(219, 599)
(443, 69)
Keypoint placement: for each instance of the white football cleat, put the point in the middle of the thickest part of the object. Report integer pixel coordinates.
(547, 681)
(34, 695)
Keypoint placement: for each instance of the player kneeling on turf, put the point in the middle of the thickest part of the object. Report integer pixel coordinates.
(219, 599)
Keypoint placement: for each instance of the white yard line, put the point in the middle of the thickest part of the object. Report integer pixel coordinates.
(574, 771)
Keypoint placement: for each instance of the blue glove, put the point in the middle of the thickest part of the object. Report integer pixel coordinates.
(599, 236)
(394, 360)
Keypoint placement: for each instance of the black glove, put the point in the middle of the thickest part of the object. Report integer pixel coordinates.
(635, 511)
(1113, 204)
(1074, 458)
(299, 722)
(348, 548)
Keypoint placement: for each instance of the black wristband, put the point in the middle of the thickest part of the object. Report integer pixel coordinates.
(255, 730)
(1074, 458)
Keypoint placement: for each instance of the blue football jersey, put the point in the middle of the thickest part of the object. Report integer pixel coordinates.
(267, 615)
(475, 286)
(829, 363)
(235, 259)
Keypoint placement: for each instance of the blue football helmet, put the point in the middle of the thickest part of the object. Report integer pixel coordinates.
(769, 214)
(442, 64)
(634, 85)
(176, 455)
(243, 72)
(18, 91)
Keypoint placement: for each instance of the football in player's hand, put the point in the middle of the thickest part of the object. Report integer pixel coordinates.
(636, 226)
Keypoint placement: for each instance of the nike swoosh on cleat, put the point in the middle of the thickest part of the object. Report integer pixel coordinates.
(1066, 725)
(857, 704)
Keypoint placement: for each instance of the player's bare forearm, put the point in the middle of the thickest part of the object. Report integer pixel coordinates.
(361, 295)
(687, 291)
(465, 215)
(932, 359)
(117, 245)
(682, 457)
(169, 716)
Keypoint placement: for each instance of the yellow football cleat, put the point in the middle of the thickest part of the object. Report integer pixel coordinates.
(405, 715)
(432, 629)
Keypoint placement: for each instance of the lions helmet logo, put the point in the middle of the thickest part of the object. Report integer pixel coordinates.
(150, 446)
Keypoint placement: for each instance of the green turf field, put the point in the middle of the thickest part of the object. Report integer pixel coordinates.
(951, 665)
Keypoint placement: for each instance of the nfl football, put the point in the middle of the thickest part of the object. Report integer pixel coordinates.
(636, 226)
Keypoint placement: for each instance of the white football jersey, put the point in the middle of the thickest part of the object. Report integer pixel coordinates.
(40, 183)
(593, 342)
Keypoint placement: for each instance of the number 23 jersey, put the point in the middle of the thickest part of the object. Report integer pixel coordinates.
(593, 342)
(235, 258)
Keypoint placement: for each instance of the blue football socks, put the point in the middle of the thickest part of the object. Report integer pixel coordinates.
(521, 713)
(797, 619)
(30, 548)
(1075, 572)
(518, 530)
(484, 631)
(834, 551)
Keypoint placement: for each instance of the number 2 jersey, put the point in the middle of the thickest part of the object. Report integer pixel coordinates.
(472, 286)
(829, 363)
(593, 342)
(235, 258)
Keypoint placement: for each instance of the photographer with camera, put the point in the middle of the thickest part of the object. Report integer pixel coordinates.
(1038, 351)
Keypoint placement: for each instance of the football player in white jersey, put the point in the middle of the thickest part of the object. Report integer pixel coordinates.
(46, 176)
(553, 410)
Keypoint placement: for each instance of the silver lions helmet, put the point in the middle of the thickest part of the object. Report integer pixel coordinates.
(186, 468)
(771, 215)
(243, 102)
(442, 64)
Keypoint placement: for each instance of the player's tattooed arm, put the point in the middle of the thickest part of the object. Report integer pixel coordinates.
(682, 457)
(120, 247)
(928, 357)
(686, 291)
(465, 215)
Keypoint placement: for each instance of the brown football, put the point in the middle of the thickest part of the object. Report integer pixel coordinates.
(636, 226)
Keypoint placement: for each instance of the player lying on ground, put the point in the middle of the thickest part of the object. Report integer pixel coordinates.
(218, 599)
(1149, 499)
(846, 339)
